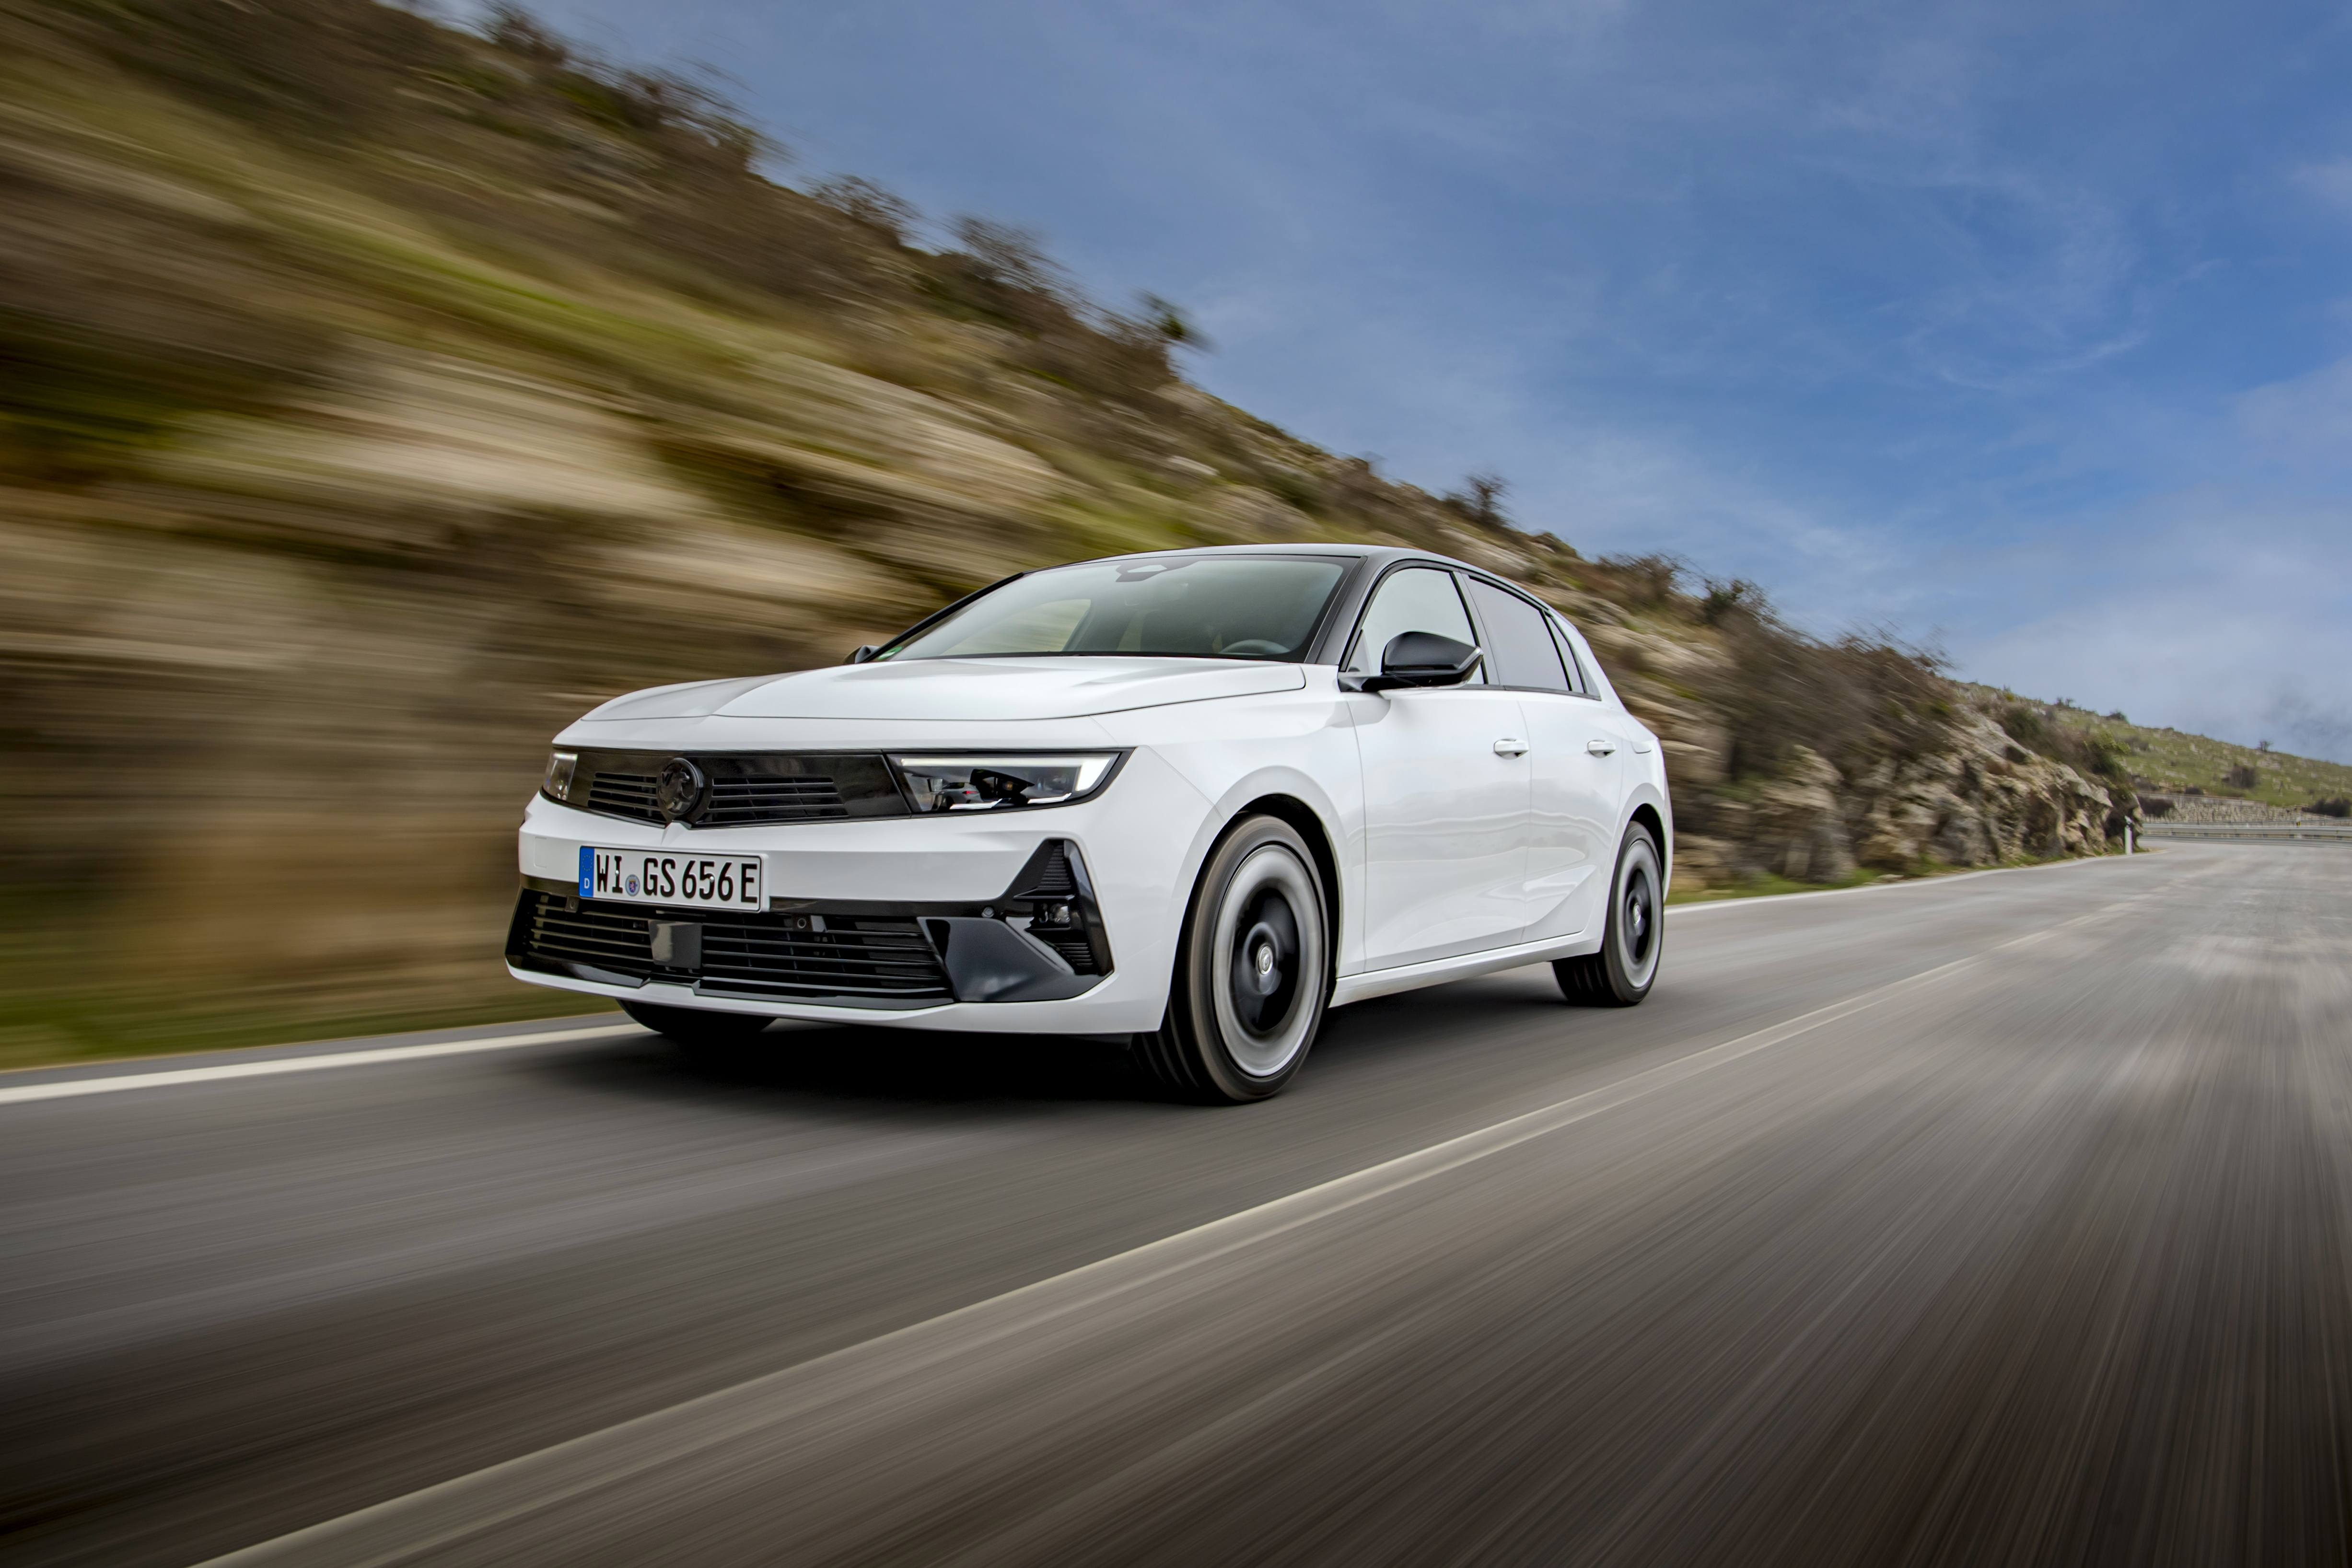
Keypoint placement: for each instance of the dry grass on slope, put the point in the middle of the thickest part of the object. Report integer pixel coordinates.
(2176, 765)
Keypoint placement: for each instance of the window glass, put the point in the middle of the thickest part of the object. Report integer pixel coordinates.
(1520, 649)
(1047, 625)
(1212, 607)
(1578, 682)
(1418, 598)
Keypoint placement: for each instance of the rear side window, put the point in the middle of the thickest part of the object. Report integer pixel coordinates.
(1519, 641)
(1418, 598)
(1578, 680)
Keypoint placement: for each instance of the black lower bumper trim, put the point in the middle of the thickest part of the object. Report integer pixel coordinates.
(1043, 941)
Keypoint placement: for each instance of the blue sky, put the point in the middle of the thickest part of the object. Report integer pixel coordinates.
(2023, 329)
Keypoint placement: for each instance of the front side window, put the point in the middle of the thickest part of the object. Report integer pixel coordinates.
(1417, 599)
(1201, 607)
(1519, 648)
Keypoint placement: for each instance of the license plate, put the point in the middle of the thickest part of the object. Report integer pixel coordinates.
(662, 876)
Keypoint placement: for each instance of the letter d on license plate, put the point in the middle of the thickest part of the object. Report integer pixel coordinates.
(661, 876)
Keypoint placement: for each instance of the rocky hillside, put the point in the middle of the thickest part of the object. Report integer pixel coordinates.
(2192, 776)
(375, 395)
(1817, 763)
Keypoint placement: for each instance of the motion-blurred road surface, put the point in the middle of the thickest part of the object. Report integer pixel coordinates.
(1999, 1219)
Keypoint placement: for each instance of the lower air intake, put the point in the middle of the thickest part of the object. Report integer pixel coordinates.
(857, 960)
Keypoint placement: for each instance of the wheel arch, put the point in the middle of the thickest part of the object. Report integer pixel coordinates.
(1656, 817)
(1308, 825)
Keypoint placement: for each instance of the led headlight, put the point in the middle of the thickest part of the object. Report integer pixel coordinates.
(1003, 781)
(557, 786)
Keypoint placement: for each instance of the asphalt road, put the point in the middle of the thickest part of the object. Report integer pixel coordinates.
(1998, 1219)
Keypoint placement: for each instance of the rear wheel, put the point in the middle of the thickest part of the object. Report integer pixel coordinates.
(1253, 971)
(1621, 973)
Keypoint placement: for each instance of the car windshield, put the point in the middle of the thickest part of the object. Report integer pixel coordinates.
(1201, 607)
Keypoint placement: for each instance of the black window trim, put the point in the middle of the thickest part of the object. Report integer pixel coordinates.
(1564, 635)
(1469, 610)
(1550, 617)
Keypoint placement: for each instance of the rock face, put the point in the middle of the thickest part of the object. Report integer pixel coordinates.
(1979, 803)
(1944, 785)
(1978, 800)
(2221, 808)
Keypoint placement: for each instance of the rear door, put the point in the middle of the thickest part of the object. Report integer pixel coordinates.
(1575, 757)
(1446, 811)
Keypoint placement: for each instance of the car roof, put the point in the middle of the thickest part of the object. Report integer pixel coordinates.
(1383, 554)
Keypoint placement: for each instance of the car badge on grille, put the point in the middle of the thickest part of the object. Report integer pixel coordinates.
(679, 791)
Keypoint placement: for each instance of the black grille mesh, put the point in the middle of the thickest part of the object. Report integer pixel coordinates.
(1053, 882)
(737, 799)
(772, 798)
(864, 957)
(1055, 879)
(1073, 945)
(588, 933)
(624, 795)
(876, 959)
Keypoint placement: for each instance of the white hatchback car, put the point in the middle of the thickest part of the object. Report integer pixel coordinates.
(1190, 798)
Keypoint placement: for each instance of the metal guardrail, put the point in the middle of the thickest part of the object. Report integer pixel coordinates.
(2161, 828)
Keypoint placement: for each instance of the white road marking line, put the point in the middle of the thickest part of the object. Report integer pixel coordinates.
(1901, 881)
(67, 1088)
(535, 1481)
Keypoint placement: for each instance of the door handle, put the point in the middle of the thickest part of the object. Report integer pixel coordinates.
(1600, 748)
(1509, 747)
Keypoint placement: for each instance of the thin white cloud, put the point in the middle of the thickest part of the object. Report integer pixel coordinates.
(2217, 612)
(2331, 182)
(2306, 420)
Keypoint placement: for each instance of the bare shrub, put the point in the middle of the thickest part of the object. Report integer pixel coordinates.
(862, 201)
(1480, 500)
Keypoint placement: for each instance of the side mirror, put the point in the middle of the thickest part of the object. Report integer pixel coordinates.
(1425, 659)
(859, 655)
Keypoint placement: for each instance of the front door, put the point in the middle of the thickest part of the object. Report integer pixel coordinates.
(1445, 792)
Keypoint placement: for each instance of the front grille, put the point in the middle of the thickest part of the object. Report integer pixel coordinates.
(624, 795)
(871, 959)
(746, 787)
(771, 797)
(877, 957)
(568, 930)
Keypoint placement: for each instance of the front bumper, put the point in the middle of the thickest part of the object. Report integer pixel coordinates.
(1041, 939)
(1056, 921)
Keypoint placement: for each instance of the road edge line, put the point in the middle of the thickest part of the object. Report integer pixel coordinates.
(1056, 1296)
(119, 1082)
(1900, 882)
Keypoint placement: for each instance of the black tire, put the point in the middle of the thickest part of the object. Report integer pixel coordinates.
(1621, 973)
(1253, 971)
(696, 1030)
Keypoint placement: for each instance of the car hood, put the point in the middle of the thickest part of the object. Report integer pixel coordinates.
(969, 689)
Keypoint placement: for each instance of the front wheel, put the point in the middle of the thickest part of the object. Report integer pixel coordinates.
(1253, 971)
(1621, 973)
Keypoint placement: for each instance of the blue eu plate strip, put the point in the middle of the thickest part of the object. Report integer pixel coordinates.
(587, 872)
